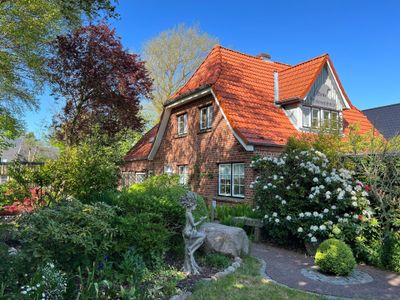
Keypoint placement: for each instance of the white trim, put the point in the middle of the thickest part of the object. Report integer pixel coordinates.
(165, 119)
(337, 84)
(245, 146)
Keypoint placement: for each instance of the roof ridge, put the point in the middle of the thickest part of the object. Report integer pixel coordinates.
(383, 106)
(253, 56)
(307, 61)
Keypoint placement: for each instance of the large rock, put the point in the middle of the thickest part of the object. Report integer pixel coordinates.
(225, 239)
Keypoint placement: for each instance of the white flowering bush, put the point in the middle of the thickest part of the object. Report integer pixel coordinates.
(47, 283)
(303, 197)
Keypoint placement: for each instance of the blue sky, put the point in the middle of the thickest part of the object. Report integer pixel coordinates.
(362, 38)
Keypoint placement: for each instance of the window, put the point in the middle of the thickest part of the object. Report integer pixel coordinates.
(231, 180)
(183, 174)
(182, 124)
(306, 117)
(140, 177)
(127, 179)
(206, 115)
(326, 118)
(334, 120)
(168, 170)
(315, 118)
(3, 179)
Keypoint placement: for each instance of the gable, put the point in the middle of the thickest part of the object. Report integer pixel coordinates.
(325, 92)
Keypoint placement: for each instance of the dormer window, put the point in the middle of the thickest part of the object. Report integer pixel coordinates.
(182, 124)
(316, 118)
(206, 115)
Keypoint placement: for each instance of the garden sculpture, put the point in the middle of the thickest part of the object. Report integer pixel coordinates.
(193, 239)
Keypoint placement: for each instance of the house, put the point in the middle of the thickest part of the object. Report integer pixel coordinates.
(386, 119)
(27, 151)
(236, 106)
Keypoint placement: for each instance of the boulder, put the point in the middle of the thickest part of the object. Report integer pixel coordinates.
(225, 239)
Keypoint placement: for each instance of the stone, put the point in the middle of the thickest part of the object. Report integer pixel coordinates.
(225, 239)
(236, 265)
(185, 296)
(230, 269)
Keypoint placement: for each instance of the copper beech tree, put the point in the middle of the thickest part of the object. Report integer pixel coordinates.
(100, 83)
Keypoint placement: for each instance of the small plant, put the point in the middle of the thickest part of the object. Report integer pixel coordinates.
(335, 257)
(390, 254)
(217, 260)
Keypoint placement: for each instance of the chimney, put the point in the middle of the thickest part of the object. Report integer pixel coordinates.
(276, 87)
(264, 56)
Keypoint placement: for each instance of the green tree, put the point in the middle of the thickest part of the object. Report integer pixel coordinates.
(172, 57)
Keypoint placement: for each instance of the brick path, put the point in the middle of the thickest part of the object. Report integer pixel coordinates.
(284, 266)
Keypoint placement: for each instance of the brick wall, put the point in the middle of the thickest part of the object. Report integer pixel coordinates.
(202, 152)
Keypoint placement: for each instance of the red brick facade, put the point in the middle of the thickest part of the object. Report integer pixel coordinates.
(201, 151)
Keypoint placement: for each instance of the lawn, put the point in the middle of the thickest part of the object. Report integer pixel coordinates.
(246, 283)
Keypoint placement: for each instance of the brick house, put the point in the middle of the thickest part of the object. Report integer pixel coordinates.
(236, 106)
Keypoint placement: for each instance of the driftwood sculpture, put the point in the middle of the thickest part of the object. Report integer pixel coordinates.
(193, 239)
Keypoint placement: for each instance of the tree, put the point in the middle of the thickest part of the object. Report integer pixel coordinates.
(100, 82)
(172, 57)
(26, 29)
(9, 129)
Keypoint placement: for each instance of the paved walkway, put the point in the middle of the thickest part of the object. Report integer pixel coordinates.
(284, 266)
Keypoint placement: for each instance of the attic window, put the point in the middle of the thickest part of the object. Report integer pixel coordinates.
(316, 118)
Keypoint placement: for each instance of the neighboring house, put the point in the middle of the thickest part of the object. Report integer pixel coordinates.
(27, 151)
(386, 119)
(234, 107)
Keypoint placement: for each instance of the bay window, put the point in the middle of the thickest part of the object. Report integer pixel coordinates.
(231, 180)
(316, 118)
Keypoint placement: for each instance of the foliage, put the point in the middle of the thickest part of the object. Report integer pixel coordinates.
(218, 260)
(225, 213)
(27, 27)
(46, 283)
(162, 283)
(172, 57)
(101, 83)
(247, 283)
(334, 256)
(303, 198)
(71, 234)
(10, 128)
(390, 255)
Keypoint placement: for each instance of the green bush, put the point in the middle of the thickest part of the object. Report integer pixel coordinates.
(390, 255)
(71, 234)
(218, 260)
(335, 257)
(225, 213)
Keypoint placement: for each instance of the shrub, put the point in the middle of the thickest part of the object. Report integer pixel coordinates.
(225, 213)
(71, 234)
(302, 197)
(218, 260)
(390, 255)
(335, 257)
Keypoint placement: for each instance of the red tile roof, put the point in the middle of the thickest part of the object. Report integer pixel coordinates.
(142, 148)
(244, 86)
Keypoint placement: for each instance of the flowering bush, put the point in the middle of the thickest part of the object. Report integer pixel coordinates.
(302, 196)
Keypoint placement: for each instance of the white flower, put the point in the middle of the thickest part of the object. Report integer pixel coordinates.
(274, 214)
(313, 239)
(311, 196)
(283, 202)
(301, 215)
(364, 194)
(326, 211)
(315, 179)
(265, 187)
(315, 214)
(322, 227)
(277, 197)
(307, 213)
(354, 203)
(266, 216)
(300, 229)
(346, 215)
(330, 223)
(333, 206)
(275, 177)
(309, 235)
(23, 292)
(276, 220)
(288, 218)
(354, 198)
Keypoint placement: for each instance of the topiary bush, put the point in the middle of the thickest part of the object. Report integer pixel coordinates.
(335, 257)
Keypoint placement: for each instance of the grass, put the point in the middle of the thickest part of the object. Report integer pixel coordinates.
(247, 283)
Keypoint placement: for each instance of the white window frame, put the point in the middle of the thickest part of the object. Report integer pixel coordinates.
(208, 112)
(318, 117)
(231, 179)
(182, 124)
(168, 170)
(183, 171)
(306, 112)
(138, 175)
(326, 123)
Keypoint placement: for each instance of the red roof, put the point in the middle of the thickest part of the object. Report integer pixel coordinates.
(244, 86)
(142, 148)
